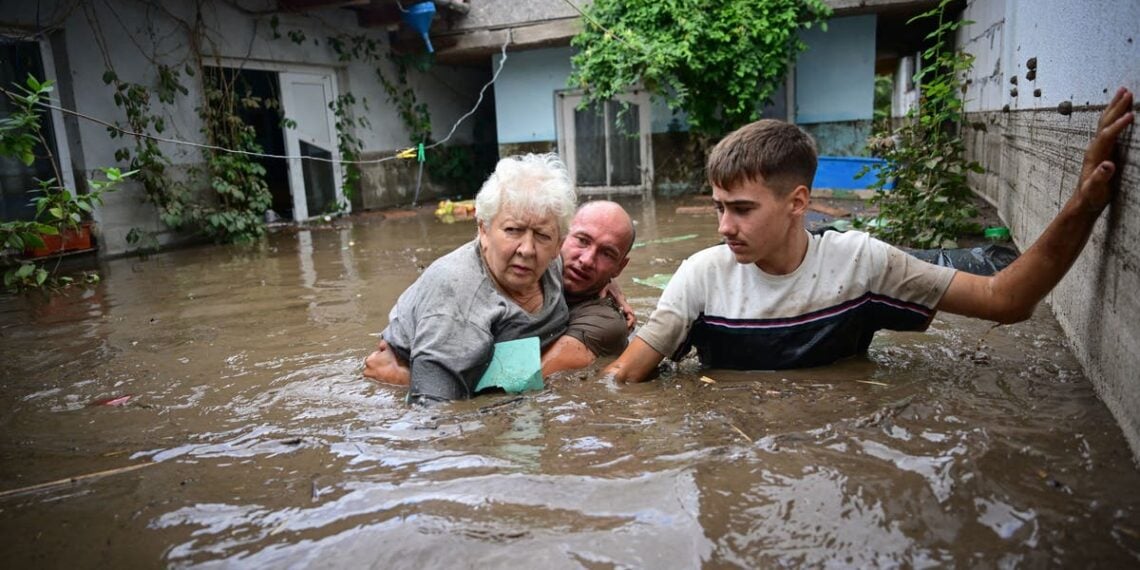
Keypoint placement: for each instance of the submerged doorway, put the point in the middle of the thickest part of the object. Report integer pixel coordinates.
(295, 119)
(266, 120)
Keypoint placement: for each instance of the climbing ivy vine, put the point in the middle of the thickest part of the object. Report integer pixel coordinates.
(238, 181)
(931, 202)
(349, 145)
(451, 165)
(716, 61)
(169, 194)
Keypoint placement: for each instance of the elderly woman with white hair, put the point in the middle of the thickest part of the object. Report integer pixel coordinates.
(504, 285)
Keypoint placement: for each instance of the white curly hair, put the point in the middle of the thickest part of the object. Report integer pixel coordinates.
(536, 184)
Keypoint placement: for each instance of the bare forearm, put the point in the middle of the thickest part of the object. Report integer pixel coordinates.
(1033, 275)
(636, 364)
(567, 353)
(1011, 295)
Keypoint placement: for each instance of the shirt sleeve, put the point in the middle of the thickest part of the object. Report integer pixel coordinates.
(598, 325)
(679, 306)
(909, 279)
(448, 357)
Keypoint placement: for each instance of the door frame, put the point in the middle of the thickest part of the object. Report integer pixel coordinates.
(62, 148)
(566, 101)
(293, 139)
(292, 146)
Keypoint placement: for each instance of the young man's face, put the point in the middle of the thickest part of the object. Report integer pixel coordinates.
(755, 222)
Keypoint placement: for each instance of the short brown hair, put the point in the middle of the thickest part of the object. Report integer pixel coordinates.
(779, 153)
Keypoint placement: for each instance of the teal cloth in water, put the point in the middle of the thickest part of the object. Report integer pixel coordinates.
(515, 367)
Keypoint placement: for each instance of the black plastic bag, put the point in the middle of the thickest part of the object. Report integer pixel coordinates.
(981, 260)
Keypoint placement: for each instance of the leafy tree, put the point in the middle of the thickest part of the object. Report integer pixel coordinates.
(716, 61)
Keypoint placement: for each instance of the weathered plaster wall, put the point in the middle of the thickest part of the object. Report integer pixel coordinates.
(132, 37)
(840, 138)
(524, 93)
(835, 76)
(1081, 48)
(1032, 157)
(835, 85)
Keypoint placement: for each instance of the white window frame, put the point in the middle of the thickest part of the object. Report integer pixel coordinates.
(564, 104)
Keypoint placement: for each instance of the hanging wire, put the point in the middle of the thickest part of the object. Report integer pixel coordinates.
(503, 52)
(167, 140)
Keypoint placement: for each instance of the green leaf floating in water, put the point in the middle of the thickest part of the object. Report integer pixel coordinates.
(664, 240)
(659, 280)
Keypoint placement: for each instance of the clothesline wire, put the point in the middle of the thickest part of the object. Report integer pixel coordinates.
(216, 148)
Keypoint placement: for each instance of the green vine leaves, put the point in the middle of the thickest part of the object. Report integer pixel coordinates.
(717, 62)
(931, 203)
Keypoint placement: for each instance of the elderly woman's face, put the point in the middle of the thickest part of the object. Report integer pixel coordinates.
(518, 248)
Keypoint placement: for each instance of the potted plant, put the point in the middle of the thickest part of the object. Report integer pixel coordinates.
(59, 212)
(56, 206)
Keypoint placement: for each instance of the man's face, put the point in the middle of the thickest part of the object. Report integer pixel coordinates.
(595, 250)
(754, 222)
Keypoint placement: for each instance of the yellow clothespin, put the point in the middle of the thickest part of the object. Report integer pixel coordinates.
(408, 153)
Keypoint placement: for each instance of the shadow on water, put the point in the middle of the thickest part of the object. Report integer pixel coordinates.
(236, 379)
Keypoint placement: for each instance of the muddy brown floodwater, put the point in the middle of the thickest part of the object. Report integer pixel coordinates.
(255, 442)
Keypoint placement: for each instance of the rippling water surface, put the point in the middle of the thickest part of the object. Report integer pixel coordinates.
(247, 436)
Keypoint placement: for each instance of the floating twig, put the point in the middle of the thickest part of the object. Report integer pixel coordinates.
(76, 479)
(742, 434)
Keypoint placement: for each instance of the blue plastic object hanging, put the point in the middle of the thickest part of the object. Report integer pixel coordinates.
(419, 17)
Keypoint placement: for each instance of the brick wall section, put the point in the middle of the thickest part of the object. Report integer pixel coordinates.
(1032, 161)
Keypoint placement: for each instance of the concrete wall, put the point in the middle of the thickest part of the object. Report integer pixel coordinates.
(132, 37)
(524, 93)
(835, 84)
(1032, 155)
(504, 13)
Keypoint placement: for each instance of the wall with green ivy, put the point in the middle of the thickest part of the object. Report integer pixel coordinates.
(155, 44)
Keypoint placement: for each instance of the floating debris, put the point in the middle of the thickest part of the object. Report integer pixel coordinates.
(696, 210)
(448, 212)
(659, 280)
(112, 400)
(664, 240)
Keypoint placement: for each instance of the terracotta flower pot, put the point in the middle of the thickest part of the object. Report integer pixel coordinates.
(68, 240)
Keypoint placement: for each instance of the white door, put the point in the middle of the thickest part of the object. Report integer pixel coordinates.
(315, 184)
(606, 146)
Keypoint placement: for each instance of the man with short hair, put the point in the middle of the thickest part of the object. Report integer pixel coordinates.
(595, 251)
(773, 296)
